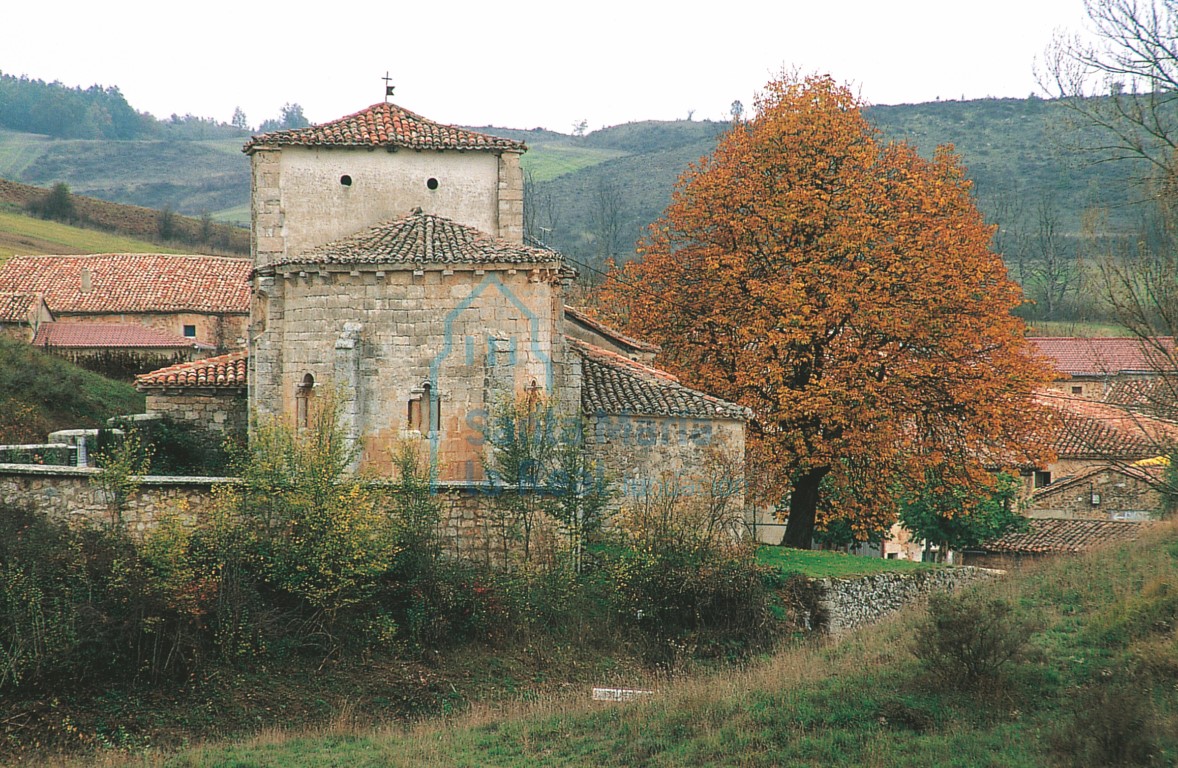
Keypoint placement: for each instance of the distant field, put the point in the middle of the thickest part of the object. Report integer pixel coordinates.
(547, 160)
(29, 236)
(20, 150)
(1075, 328)
(823, 564)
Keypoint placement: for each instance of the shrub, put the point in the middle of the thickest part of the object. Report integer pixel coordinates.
(967, 639)
(1112, 722)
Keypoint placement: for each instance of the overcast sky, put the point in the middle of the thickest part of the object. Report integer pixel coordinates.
(525, 64)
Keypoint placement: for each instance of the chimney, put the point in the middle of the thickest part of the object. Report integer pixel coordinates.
(85, 280)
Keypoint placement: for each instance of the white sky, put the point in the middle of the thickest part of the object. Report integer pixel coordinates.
(525, 63)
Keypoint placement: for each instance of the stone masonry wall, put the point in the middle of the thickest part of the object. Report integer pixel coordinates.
(215, 410)
(71, 493)
(833, 606)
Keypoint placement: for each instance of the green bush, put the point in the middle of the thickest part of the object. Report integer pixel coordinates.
(183, 448)
(968, 639)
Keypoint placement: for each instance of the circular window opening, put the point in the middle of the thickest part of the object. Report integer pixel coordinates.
(432, 183)
(346, 180)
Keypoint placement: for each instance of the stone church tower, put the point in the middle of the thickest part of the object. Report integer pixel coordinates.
(390, 267)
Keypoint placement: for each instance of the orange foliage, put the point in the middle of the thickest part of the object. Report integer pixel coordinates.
(845, 291)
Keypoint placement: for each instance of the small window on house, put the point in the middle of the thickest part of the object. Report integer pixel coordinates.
(1042, 479)
(345, 180)
(303, 402)
(190, 331)
(1077, 390)
(432, 183)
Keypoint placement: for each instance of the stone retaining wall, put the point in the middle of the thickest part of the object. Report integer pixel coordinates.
(837, 605)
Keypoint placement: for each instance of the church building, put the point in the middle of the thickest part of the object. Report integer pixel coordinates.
(390, 269)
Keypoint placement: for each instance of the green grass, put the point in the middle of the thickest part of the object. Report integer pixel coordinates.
(26, 235)
(40, 393)
(831, 564)
(1107, 632)
(1075, 328)
(18, 151)
(549, 160)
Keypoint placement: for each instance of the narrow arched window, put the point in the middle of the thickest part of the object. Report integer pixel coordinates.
(424, 410)
(303, 402)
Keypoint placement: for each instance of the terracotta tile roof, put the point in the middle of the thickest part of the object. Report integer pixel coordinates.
(614, 384)
(133, 282)
(221, 372)
(590, 322)
(423, 238)
(16, 307)
(1106, 356)
(1084, 428)
(1154, 395)
(385, 125)
(67, 335)
(1065, 536)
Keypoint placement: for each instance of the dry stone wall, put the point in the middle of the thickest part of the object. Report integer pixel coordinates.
(837, 605)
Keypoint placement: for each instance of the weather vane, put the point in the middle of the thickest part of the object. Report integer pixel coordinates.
(388, 88)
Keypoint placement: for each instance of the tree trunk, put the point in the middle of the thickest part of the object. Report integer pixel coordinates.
(803, 506)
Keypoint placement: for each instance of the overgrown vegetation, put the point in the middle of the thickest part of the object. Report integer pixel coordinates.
(303, 562)
(1095, 686)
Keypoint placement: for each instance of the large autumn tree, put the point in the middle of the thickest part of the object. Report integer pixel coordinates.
(844, 290)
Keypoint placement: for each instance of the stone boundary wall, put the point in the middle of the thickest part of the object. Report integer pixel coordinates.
(836, 605)
(68, 493)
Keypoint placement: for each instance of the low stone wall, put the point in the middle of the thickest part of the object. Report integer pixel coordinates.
(71, 493)
(834, 606)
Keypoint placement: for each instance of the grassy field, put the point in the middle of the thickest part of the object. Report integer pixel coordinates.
(549, 160)
(824, 564)
(25, 235)
(1097, 685)
(18, 151)
(1075, 328)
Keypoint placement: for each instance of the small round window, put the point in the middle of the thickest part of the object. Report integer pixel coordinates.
(432, 183)
(346, 180)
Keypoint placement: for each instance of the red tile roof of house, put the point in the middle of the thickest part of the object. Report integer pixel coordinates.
(16, 307)
(1076, 356)
(116, 335)
(385, 125)
(419, 239)
(1065, 536)
(221, 372)
(1086, 428)
(1154, 395)
(597, 326)
(133, 282)
(614, 384)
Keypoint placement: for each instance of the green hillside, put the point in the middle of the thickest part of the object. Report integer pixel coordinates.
(25, 235)
(40, 393)
(1095, 684)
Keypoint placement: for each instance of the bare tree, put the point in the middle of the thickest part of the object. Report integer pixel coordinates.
(540, 210)
(1053, 274)
(1119, 79)
(607, 219)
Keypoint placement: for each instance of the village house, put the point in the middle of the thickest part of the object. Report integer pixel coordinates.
(204, 299)
(390, 271)
(1091, 367)
(22, 315)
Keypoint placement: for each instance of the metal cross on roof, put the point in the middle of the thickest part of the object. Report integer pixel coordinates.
(388, 89)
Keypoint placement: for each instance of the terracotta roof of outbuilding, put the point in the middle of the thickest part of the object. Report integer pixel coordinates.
(1065, 536)
(1155, 395)
(221, 372)
(1088, 428)
(1076, 356)
(133, 282)
(423, 238)
(596, 325)
(385, 125)
(613, 384)
(16, 307)
(91, 335)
